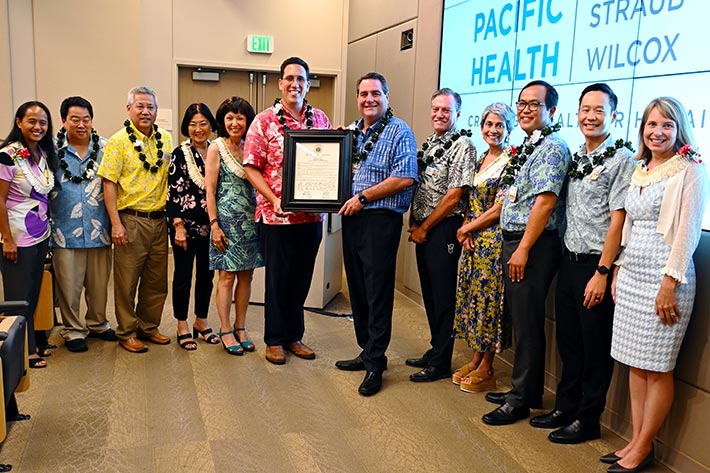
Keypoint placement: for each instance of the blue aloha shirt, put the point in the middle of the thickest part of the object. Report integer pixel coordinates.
(591, 200)
(394, 154)
(544, 171)
(77, 210)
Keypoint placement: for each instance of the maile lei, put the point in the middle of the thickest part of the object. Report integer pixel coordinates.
(20, 155)
(89, 171)
(445, 145)
(282, 119)
(192, 170)
(575, 172)
(360, 156)
(519, 155)
(138, 146)
(229, 160)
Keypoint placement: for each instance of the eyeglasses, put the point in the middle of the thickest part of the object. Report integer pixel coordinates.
(533, 106)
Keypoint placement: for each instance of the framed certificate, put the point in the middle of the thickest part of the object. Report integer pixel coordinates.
(317, 170)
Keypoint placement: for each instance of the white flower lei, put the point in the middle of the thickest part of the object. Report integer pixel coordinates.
(229, 160)
(192, 170)
(39, 186)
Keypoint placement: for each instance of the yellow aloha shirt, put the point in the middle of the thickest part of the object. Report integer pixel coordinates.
(138, 188)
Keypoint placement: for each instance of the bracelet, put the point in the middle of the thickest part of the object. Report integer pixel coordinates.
(213, 221)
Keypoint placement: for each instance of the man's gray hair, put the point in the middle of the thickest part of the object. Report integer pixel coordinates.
(504, 111)
(450, 92)
(141, 89)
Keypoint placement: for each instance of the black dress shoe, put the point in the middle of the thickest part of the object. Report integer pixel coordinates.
(616, 468)
(429, 374)
(575, 433)
(500, 398)
(552, 420)
(76, 345)
(108, 335)
(355, 364)
(417, 362)
(371, 384)
(505, 415)
(610, 458)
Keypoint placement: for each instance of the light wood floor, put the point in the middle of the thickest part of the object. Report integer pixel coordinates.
(170, 410)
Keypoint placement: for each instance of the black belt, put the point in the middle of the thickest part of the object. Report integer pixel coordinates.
(508, 236)
(155, 215)
(582, 258)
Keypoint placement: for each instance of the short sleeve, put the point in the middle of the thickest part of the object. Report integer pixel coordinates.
(112, 162)
(548, 170)
(7, 167)
(256, 145)
(404, 158)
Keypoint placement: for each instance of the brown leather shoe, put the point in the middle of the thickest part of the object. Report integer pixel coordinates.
(133, 345)
(275, 354)
(157, 338)
(300, 350)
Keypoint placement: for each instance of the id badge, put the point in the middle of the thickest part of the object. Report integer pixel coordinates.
(431, 171)
(596, 172)
(512, 193)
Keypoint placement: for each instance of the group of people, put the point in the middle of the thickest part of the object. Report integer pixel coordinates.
(486, 228)
(619, 228)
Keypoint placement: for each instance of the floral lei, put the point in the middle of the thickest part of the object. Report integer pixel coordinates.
(575, 173)
(519, 155)
(230, 161)
(192, 170)
(138, 146)
(20, 155)
(360, 156)
(282, 119)
(423, 162)
(690, 152)
(89, 171)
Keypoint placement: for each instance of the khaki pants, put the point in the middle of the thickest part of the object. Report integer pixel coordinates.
(141, 266)
(88, 269)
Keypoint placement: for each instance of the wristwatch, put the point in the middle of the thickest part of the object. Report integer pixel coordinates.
(361, 198)
(603, 270)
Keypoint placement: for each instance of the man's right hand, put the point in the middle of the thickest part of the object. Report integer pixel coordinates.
(119, 235)
(9, 250)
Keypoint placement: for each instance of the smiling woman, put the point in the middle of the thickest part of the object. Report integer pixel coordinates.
(27, 164)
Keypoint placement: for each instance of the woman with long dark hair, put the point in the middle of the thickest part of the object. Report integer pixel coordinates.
(27, 164)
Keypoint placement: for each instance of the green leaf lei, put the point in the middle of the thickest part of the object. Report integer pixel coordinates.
(360, 156)
(89, 172)
(139, 147)
(282, 119)
(575, 172)
(423, 162)
(519, 155)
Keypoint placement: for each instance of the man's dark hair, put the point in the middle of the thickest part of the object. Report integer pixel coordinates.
(70, 102)
(374, 76)
(601, 87)
(192, 110)
(551, 96)
(235, 105)
(297, 61)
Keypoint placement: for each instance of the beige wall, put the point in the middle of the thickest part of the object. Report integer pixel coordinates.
(102, 48)
(683, 438)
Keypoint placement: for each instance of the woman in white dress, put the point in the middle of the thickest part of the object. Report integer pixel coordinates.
(654, 277)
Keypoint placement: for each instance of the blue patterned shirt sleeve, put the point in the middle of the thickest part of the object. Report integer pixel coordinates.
(394, 154)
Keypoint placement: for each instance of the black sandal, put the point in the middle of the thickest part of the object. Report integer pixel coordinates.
(44, 351)
(37, 363)
(207, 334)
(188, 344)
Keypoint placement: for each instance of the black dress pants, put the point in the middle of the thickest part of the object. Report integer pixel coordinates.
(583, 340)
(525, 302)
(370, 243)
(437, 264)
(197, 255)
(289, 253)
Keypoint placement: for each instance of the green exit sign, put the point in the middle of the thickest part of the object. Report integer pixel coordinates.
(260, 44)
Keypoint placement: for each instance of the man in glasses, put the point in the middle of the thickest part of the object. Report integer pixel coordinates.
(530, 219)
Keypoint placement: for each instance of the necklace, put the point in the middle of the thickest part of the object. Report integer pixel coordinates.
(89, 172)
(361, 156)
(229, 160)
(138, 146)
(282, 119)
(192, 170)
(519, 155)
(20, 155)
(445, 145)
(574, 168)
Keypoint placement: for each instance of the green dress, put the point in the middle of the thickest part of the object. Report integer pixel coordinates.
(479, 289)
